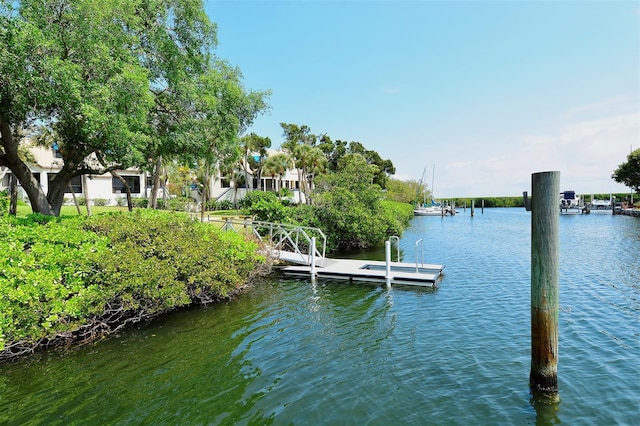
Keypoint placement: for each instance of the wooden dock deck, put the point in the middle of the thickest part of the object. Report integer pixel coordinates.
(425, 275)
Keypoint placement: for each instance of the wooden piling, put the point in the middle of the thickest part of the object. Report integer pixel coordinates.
(544, 282)
(473, 207)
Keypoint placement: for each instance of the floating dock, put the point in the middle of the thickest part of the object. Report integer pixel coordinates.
(423, 275)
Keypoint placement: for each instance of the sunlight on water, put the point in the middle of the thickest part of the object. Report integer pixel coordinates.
(296, 352)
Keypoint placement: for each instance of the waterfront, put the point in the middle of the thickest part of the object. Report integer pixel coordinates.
(293, 352)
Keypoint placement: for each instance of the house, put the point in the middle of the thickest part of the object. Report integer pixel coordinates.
(48, 162)
(222, 188)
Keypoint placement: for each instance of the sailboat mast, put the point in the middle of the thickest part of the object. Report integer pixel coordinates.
(433, 176)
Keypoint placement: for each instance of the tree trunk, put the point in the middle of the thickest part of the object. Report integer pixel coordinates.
(85, 189)
(157, 170)
(10, 158)
(126, 188)
(13, 194)
(205, 193)
(75, 200)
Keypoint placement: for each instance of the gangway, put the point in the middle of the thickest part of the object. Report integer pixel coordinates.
(286, 242)
(292, 243)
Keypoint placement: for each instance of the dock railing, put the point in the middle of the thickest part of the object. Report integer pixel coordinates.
(279, 236)
(419, 254)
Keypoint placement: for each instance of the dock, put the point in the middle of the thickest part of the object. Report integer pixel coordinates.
(414, 274)
(424, 275)
(302, 250)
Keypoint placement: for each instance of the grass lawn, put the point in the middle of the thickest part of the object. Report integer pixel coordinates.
(24, 210)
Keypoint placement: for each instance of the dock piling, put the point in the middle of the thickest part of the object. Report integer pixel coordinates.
(544, 282)
(312, 252)
(387, 255)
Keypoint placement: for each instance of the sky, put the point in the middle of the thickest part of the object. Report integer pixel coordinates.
(479, 94)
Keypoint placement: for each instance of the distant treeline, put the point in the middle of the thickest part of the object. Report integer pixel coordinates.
(519, 202)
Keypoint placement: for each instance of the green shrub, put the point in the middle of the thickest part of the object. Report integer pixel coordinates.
(78, 277)
(224, 205)
(4, 202)
(180, 204)
(253, 197)
(140, 203)
(121, 201)
(100, 202)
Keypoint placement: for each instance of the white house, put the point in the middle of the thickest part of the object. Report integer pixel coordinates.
(222, 187)
(48, 162)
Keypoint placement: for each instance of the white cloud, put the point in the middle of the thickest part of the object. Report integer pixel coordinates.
(585, 152)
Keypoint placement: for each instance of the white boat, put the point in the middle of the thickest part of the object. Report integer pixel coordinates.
(570, 202)
(433, 208)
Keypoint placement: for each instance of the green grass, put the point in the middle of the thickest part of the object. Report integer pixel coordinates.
(24, 210)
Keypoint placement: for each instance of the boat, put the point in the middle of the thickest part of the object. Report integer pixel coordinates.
(570, 202)
(433, 208)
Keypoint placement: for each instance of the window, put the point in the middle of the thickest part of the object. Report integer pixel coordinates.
(132, 181)
(76, 183)
(225, 182)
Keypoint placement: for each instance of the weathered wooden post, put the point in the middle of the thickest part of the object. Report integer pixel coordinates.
(473, 207)
(544, 281)
(482, 207)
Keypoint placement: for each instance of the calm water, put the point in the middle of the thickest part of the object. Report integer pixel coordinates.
(293, 352)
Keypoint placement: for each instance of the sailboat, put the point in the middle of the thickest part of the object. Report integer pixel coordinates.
(433, 208)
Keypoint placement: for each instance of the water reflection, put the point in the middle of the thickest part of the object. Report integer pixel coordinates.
(547, 408)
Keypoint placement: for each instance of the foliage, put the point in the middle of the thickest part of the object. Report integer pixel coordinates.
(117, 83)
(4, 202)
(224, 205)
(140, 203)
(254, 197)
(403, 191)
(77, 278)
(101, 202)
(628, 173)
(350, 209)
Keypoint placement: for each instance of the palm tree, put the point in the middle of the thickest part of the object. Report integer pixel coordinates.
(278, 164)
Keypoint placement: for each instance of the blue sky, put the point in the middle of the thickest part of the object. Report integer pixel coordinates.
(487, 91)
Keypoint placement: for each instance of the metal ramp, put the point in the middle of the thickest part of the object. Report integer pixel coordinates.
(290, 243)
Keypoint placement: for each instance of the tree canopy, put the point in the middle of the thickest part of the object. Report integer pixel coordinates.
(121, 82)
(628, 173)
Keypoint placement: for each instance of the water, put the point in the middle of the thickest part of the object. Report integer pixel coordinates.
(293, 352)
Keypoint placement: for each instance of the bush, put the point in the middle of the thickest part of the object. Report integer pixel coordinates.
(253, 197)
(4, 202)
(100, 202)
(224, 205)
(180, 204)
(140, 203)
(79, 277)
(81, 201)
(121, 201)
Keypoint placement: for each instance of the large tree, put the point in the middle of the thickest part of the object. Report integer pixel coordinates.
(73, 66)
(121, 82)
(628, 173)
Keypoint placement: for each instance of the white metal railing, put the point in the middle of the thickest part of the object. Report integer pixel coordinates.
(419, 254)
(279, 236)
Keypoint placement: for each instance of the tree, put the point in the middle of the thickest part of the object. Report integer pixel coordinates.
(628, 173)
(251, 144)
(277, 165)
(72, 66)
(121, 82)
